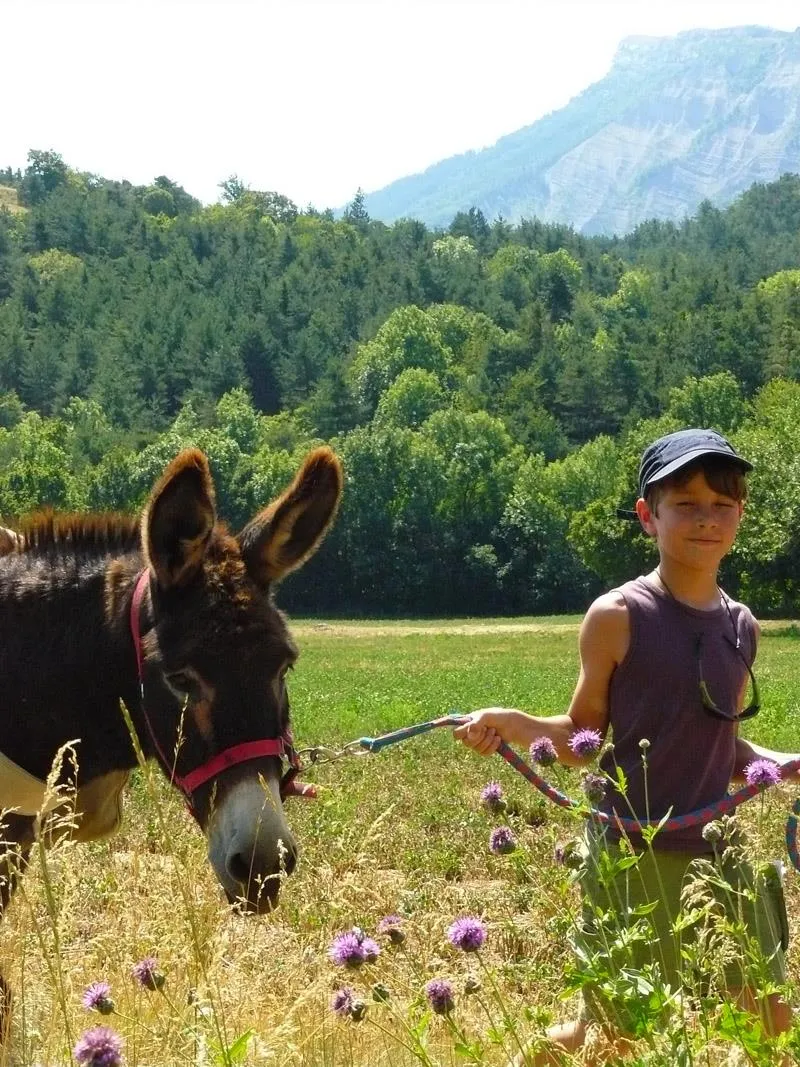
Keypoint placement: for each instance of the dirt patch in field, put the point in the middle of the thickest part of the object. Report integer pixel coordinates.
(373, 629)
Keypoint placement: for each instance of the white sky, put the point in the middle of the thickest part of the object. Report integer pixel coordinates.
(312, 99)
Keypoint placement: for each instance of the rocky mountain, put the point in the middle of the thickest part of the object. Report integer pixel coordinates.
(677, 120)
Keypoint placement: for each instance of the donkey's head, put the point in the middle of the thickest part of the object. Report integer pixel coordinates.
(215, 652)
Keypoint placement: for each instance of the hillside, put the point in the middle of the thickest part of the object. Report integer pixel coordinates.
(676, 121)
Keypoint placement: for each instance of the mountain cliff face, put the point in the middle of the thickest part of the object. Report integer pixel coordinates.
(676, 120)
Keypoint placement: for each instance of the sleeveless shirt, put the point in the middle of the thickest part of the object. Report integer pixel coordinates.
(654, 693)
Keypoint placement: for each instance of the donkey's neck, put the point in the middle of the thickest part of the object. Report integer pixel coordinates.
(66, 658)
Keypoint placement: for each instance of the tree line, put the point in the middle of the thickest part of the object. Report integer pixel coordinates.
(489, 387)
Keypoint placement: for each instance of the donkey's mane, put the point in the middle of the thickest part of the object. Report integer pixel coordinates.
(86, 534)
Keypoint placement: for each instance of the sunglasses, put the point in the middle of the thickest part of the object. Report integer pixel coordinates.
(707, 700)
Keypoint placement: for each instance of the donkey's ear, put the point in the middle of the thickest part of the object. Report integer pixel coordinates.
(179, 519)
(282, 536)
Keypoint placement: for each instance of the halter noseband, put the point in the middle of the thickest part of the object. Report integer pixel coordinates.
(282, 747)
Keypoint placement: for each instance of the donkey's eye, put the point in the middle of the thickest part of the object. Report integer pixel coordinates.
(181, 682)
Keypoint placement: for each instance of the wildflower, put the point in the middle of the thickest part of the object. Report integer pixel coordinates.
(380, 993)
(342, 1001)
(585, 742)
(492, 796)
(712, 833)
(358, 1009)
(467, 933)
(594, 786)
(440, 995)
(99, 1047)
(346, 950)
(568, 853)
(391, 926)
(762, 772)
(371, 949)
(644, 744)
(543, 751)
(502, 840)
(97, 997)
(147, 974)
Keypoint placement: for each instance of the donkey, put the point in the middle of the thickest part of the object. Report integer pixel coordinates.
(171, 615)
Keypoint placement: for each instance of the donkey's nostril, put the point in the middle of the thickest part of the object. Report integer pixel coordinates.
(239, 868)
(246, 867)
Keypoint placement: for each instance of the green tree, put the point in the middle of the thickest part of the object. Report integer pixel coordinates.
(46, 172)
(407, 339)
(412, 398)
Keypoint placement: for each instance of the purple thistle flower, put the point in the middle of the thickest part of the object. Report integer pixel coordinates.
(342, 1001)
(502, 840)
(492, 796)
(358, 1010)
(585, 742)
(467, 933)
(147, 974)
(762, 772)
(347, 950)
(98, 998)
(568, 854)
(440, 995)
(99, 1047)
(543, 751)
(594, 786)
(371, 949)
(391, 926)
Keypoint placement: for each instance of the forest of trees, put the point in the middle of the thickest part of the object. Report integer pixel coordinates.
(488, 387)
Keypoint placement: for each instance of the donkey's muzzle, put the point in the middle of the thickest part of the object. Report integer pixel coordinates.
(250, 845)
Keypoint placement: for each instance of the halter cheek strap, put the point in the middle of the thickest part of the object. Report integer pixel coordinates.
(281, 747)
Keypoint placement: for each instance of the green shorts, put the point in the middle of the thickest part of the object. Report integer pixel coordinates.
(638, 937)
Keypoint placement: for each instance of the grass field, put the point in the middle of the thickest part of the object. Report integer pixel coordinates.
(400, 832)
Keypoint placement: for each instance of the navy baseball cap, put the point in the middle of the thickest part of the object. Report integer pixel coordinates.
(669, 454)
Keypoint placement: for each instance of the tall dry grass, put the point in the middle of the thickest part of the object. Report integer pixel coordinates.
(402, 832)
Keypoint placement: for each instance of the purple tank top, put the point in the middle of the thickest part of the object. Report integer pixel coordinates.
(655, 694)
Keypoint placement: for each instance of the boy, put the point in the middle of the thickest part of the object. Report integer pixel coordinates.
(665, 660)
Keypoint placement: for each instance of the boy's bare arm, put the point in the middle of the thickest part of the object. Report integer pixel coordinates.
(747, 751)
(603, 642)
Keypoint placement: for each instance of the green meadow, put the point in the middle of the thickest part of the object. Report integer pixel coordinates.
(401, 832)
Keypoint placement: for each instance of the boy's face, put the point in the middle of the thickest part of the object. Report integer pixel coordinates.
(693, 524)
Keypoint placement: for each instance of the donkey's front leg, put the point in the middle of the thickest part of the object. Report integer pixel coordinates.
(16, 838)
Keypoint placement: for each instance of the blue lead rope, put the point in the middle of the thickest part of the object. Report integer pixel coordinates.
(375, 744)
(728, 803)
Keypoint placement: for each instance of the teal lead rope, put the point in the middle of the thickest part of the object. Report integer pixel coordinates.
(677, 822)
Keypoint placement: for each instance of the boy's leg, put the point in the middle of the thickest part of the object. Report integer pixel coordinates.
(563, 1039)
(760, 903)
(566, 1038)
(773, 1011)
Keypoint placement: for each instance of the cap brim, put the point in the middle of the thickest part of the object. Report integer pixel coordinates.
(690, 457)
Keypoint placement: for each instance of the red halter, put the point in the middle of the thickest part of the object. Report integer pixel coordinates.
(282, 746)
